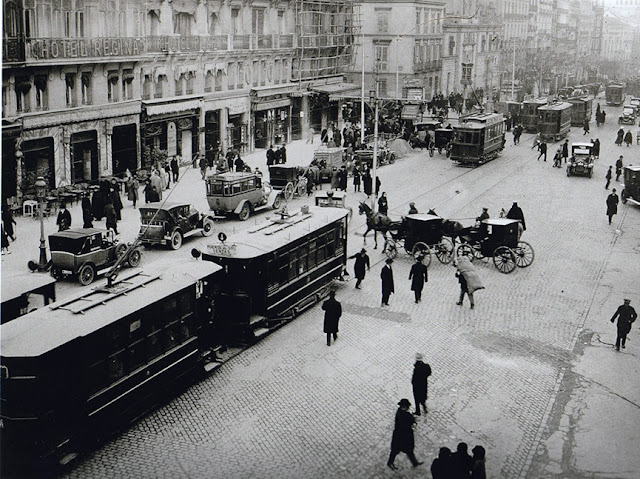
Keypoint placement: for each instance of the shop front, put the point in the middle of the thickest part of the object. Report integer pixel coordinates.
(272, 120)
(326, 102)
(124, 148)
(37, 160)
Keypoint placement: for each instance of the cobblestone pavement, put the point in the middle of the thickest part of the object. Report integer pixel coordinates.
(507, 374)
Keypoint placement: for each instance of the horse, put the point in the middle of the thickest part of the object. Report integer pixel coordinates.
(376, 222)
(455, 230)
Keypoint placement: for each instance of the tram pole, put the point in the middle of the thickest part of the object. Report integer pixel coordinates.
(375, 153)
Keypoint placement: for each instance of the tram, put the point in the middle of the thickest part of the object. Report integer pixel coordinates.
(478, 139)
(615, 94)
(25, 292)
(80, 367)
(555, 121)
(529, 113)
(290, 260)
(581, 110)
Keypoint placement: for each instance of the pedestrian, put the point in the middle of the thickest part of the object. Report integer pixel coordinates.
(64, 218)
(5, 241)
(153, 196)
(557, 159)
(478, 469)
(515, 213)
(420, 383)
(387, 281)
(110, 213)
(418, 275)
(239, 164)
(356, 180)
(596, 149)
(608, 177)
(283, 154)
(612, 204)
(87, 217)
(441, 467)
(230, 156)
(270, 155)
(175, 167)
(310, 135)
(619, 167)
(115, 199)
(468, 279)
(378, 185)
(565, 150)
(332, 312)
(383, 204)
(335, 178)
(620, 137)
(156, 182)
(628, 138)
(8, 222)
(204, 165)
(367, 183)
(461, 462)
(412, 209)
(344, 177)
(542, 148)
(402, 439)
(362, 262)
(626, 316)
(585, 126)
(133, 187)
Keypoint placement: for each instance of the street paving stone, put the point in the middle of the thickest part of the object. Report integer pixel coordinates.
(292, 407)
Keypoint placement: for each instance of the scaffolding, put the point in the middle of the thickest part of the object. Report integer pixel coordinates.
(327, 32)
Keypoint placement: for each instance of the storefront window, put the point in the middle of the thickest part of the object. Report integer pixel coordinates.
(84, 156)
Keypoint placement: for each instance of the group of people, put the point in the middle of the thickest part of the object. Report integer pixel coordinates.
(624, 137)
(277, 156)
(601, 116)
(459, 464)
(8, 231)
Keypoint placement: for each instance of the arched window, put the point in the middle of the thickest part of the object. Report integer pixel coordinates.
(208, 82)
(219, 78)
(214, 24)
(153, 23)
(11, 20)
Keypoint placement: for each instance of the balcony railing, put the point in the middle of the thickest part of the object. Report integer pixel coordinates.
(433, 65)
(79, 48)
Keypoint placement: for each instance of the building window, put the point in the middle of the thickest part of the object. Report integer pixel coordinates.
(382, 57)
(86, 88)
(127, 84)
(112, 86)
(240, 75)
(70, 90)
(452, 45)
(160, 86)
(263, 72)
(42, 101)
(22, 88)
(190, 80)
(466, 73)
(79, 24)
(219, 75)
(231, 76)
(214, 24)
(235, 21)
(256, 73)
(146, 87)
(208, 82)
(183, 23)
(68, 25)
(257, 21)
(383, 21)
(179, 82)
(382, 88)
(281, 24)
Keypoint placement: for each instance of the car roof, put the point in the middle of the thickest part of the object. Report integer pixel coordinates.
(633, 167)
(582, 145)
(77, 233)
(159, 205)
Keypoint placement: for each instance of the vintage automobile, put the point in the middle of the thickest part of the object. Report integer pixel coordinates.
(240, 194)
(635, 103)
(333, 199)
(628, 116)
(581, 161)
(168, 223)
(288, 180)
(365, 157)
(631, 186)
(83, 252)
(420, 137)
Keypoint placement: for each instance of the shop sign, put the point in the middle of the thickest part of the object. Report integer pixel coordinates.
(51, 48)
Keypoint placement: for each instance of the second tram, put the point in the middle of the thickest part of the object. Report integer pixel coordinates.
(529, 113)
(478, 139)
(615, 94)
(555, 121)
(581, 110)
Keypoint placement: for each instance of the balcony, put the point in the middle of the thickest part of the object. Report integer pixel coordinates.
(13, 50)
(421, 67)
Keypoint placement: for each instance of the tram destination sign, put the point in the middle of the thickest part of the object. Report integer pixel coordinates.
(221, 249)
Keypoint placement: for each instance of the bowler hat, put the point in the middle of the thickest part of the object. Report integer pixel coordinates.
(419, 357)
(388, 260)
(404, 403)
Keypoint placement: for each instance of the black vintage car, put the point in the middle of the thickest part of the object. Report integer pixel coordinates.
(169, 223)
(631, 186)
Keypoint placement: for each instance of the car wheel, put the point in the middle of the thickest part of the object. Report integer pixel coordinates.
(277, 202)
(207, 227)
(86, 275)
(245, 212)
(176, 240)
(120, 250)
(134, 258)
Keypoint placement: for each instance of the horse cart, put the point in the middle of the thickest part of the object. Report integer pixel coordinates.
(421, 235)
(497, 238)
(288, 179)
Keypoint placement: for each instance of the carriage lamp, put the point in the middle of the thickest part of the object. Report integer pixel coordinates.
(41, 191)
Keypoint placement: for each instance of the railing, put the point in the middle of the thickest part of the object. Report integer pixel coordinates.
(78, 48)
(427, 66)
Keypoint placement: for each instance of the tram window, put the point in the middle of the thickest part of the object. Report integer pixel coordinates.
(185, 328)
(302, 259)
(283, 269)
(293, 272)
(185, 302)
(272, 269)
(115, 338)
(97, 377)
(154, 345)
(468, 137)
(227, 189)
(136, 355)
(169, 307)
(320, 249)
(215, 188)
(475, 138)
(115, 366)
(311, 255)
(170, 336)
(331, 244)
(236, 188)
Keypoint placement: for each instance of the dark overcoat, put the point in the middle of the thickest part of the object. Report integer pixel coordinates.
(402, 439)
(387, 279)
(418, 276)
(421, 373)
(359, 268)
(332, 312)
(612, 204)
(367, 184)
(626, 316)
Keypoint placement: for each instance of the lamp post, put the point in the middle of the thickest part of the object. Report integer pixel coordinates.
(374, 98)
(41, 191)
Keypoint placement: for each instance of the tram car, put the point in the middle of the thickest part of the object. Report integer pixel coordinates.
(529, 114)
(24, 292)
(478, 139)
(555, 121)
(615, 94)
(74, 371)
(581, 110)
(291, 260)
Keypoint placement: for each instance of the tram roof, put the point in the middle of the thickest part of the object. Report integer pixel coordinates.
(232, 176)
(52, 326)
(14, 286)
(274, 233)
(556, 106)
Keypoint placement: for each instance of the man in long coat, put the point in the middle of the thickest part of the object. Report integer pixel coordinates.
(332, 312)
(387, 282)
(626, 316)
(367, 183)
(419, 382)
(418, 276)
(565, 150)
(515, 213)
(361, 266)
(612, 204)
(402, 439)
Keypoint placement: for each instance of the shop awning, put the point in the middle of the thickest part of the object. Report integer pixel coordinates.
(270, 104)
(337, 91)
(284, 89)
(169, 108)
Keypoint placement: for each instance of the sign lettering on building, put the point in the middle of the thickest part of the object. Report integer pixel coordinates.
(52, 48)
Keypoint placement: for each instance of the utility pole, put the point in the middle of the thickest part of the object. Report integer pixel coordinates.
(362, 92)
(513, 71)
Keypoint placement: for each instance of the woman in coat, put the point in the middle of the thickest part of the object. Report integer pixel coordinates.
(367, 183)
(87, 216)
(110, 213)
(115, 199)
(628, 138)
(620, 137)
(8, 222)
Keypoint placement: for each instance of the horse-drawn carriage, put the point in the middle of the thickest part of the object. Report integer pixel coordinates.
(421, 235)
(288, 179)
(497, 238)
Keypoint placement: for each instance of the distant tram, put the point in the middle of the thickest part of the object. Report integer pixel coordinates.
(615, 94)
(277, 269)
(529, 113)
(478, 139)
(555, 121)
(25, 292)
(581, 110)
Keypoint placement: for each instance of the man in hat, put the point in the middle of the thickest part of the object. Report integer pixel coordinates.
(402, 439)
(412, 209)
(418, 277)
(626, 316)
(332, 312)
(612, 204)
(361, 266)
(421, 373)
(387, 281)
(484, 215)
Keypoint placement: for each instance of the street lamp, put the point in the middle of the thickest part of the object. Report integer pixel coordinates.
(373, 96)
(41, 191)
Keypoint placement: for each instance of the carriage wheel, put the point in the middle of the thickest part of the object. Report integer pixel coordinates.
(477, 251)
(524, 254)
(390, 248)
(302, 188)
(444, 251)
(465, 250)
(422, 249)
(288, 191)
(504, 259)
